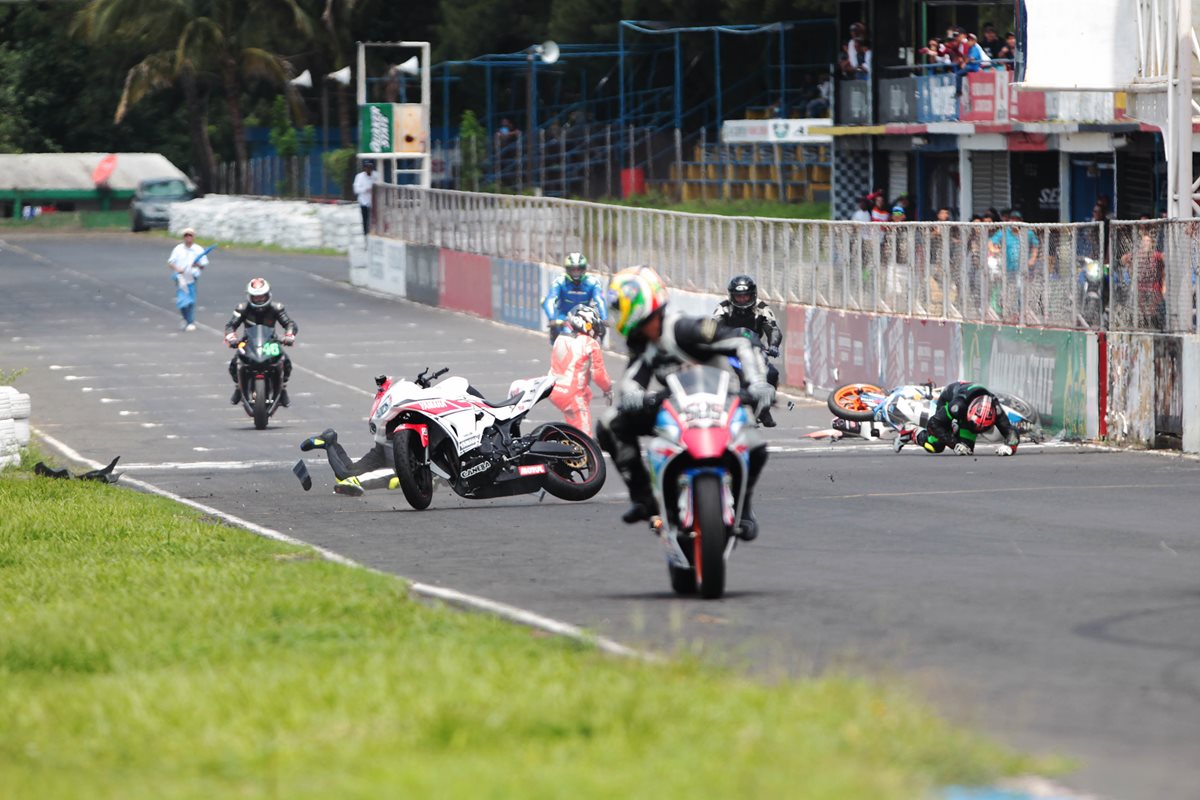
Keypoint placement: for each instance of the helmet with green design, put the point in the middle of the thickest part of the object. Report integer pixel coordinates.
(634, 294)
(576, 265)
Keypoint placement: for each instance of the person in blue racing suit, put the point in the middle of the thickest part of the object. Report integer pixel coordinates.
(574, 288)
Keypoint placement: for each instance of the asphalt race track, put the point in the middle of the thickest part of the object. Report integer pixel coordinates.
(1052, 599)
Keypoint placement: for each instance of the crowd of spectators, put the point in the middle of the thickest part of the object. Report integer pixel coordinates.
(962, 52)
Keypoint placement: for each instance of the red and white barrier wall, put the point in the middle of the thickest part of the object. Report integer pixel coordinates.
(1130, 388)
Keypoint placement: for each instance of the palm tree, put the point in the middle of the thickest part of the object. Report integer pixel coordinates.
(225, 41)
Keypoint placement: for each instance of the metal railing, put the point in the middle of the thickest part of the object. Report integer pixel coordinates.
(1015, 274)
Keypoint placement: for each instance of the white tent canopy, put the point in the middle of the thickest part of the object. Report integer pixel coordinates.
(73, 171)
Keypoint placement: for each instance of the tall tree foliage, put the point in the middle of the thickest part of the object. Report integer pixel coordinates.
(227, 42)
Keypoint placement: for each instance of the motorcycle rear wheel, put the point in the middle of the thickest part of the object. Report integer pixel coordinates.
(416, 479)
(846, 401)
(576, 479)
(709, 545)
(260, 404)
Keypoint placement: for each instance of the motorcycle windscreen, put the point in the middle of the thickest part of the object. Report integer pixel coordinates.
(699, 380)
(261, 344)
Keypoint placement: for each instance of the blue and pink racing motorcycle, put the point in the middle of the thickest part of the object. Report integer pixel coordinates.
(699, 465)
(871, 412)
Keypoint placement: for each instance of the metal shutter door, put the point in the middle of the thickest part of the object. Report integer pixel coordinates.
(989, 180)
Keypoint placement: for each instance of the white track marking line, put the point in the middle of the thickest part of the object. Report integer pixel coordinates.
(1001, 490)
(451, 596)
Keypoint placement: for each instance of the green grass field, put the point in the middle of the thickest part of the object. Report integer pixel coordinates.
(150, 652)
(69, 220)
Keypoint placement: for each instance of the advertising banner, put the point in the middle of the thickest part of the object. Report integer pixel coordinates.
(898, 100)
(466, 282)
(423, 274)
(791, 366)
(837, 349)
(915, 351)
(376, 128)
(985, 97)
(1047, 368)
(516, 293)
(936, 98)
(776, 131)
(1168, 392)
(375, 258)
(395, 259)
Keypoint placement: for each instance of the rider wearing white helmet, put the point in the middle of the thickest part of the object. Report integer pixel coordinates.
(259, 310)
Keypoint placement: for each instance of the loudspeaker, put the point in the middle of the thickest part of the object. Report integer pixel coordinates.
(342, 76)
(548, 50)
(303, 80)
(410, 67)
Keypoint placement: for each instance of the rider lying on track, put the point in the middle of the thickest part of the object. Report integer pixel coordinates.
(964, 411)
(659, 343)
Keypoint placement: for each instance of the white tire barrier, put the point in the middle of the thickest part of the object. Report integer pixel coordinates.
(14, 424)
(288, 223)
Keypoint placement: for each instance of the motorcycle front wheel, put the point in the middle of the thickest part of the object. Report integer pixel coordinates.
(846, 401)
(579, 478)
(709, 545)
(260, 404)
(416, 479)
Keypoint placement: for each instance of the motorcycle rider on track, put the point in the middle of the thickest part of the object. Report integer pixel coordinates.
(575, 361)
(575, 287)
(259, 310)
(661, 342)
(744, 310)
(963, 411)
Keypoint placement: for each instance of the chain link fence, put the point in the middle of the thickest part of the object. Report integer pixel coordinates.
(1151, 282)
(1021, 274)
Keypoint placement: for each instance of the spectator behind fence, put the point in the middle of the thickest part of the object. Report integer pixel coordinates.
(1147, 267)
(855, 60)
(992, 44)
(879, 210)
(863, 212)
(1009, 51)
(936, 53)
(970, 59)
(819, 105)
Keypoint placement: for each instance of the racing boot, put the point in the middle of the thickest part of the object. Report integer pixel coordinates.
(237, 396)
(747, 530)
(766, 419)
(320, 441)
(642, 504)
(283, 397)
(903, 437)
(350, 487)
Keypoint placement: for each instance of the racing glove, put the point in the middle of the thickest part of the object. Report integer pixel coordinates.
(632, 401)
(763, 394)
(231, 339)
(289, 338)
(773, 352)
(1006, 450)
(963, 449)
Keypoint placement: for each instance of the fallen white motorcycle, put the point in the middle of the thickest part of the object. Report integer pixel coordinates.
(476, 447)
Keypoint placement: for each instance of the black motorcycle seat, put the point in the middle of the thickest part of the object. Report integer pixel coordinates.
(512, 401)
